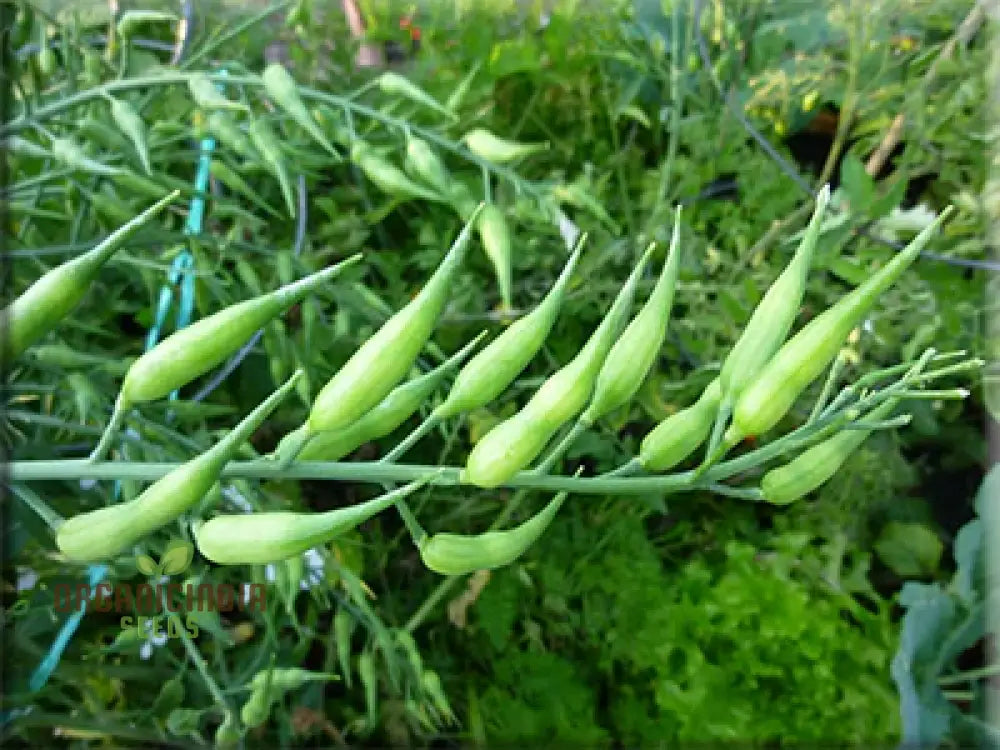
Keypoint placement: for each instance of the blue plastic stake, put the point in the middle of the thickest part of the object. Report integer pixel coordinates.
(179, 276)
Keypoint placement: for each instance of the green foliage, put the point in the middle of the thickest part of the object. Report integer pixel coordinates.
(716, 621)
(684, 653)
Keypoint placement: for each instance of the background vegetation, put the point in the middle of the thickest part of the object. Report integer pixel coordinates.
(647, 621)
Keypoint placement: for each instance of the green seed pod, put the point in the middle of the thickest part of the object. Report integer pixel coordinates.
(385, 358)
(395, 85)
(261, 538)
(196, 349)
(495, 236)
(134, 183)
(431, 684)
(232, 180)
(222, 126)
(266, 141)
(424, 164)
(285, 680)
(491, 371)
(818, 464)
(366, 671)
(677, 436)
(513, 444)
(228, 733)
(133, 127)
(343, 628)
(70, 154)
(62, 356)
(283, 89)
(385, 417)
(50, 299)
(98, 131)
(171, 696)
(104, 533)
(457, 96)
(256, 710)
(807, 354)
(460, 199)
(633, 354)
(772, 319)
(486, 145)
(93, 67)
(15, 144)
(208, 97)
(456, 554)
(387, 177)
(46, 56)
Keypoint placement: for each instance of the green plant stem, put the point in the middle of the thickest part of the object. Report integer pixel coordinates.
(677, 102)
(828, 386)
(432, 421)
(199, 661)
(117, 417)
(52, 519)
(540, 471)
(413, 526)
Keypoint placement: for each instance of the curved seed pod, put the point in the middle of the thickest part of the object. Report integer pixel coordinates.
(773, 317)
(394, 84)
(489, 373)
(432, 686)
(677, 436)
(104, 533)
(343, 628)
(460, 199)
(486, 145)
(818, 464)
(70, 154)
(385, 417)
(261, 538)
(50, 299)
(283, 89)
(366, 671)
(516, 442)
(456, 554)
(208, 97)
(266, 142)
(62, 356)
(222, 126)
(385, 358)
(633, 354)
(232, 180)
(228, 734)
(495, 236)
(387, 177)
(131, 125)
(256, 710)
(291, 678)
(807, 354)
(135, 183)
(196, 349)
(457, 96)
(46, 57)
(425, 164)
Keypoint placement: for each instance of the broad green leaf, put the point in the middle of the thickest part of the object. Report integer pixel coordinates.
(909, 549)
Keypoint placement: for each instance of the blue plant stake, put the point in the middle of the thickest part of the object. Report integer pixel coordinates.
(179, 276)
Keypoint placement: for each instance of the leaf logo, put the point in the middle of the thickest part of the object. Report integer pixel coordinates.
(176, 559)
